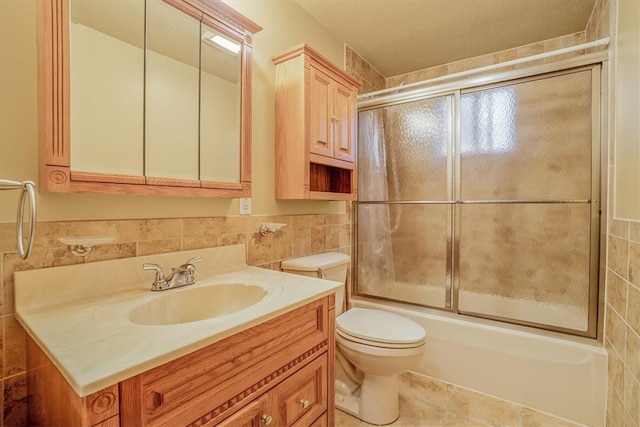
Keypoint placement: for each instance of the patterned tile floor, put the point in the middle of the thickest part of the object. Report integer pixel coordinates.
(426, 402)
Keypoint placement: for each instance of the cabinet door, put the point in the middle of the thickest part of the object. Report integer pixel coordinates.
(320, 113)
(344, 123)
(301, 399)
(253, 415)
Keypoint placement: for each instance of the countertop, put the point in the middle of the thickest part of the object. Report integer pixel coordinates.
(79, 315)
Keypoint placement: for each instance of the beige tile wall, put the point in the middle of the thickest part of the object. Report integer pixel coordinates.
(600, 20)
(622, 308)
(357, 66)
(491, 59)
(622, 324)
(303, 235)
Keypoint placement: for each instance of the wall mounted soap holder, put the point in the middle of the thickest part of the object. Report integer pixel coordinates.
(270, 227)
(81, 246)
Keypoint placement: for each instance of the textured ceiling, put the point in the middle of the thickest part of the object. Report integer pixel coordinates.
(399, 36)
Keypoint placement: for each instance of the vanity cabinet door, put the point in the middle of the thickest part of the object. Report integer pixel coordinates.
(255, 414)
(303, 397)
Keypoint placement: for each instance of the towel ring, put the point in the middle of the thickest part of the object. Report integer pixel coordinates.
(28, 192)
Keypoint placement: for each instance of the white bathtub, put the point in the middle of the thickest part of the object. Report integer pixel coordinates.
(565, 377)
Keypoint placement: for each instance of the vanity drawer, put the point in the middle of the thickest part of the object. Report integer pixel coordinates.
(211, 384)
(302, 398)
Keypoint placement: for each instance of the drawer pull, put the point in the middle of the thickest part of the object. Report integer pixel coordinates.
(266, 419)
(304, 403)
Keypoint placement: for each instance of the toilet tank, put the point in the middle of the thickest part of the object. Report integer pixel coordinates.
(329, 265)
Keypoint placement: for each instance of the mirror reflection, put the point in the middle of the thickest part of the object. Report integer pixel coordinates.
(172, 92)
(220, 106)
(169, 109)
(107, 90)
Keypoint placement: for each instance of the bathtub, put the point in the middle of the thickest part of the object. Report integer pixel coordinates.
(565, 377)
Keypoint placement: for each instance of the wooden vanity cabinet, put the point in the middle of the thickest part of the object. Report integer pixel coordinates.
(278, 373)
(316, 127)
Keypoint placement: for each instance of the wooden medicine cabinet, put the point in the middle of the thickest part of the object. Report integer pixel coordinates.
(137, 97)
(316, 127)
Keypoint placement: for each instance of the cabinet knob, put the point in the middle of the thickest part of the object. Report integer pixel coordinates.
(266, 419)
(304, 403)
(335, 118)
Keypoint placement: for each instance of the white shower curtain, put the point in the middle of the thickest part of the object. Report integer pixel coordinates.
(375, 250)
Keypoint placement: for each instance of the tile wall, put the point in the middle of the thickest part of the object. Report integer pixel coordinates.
(303, 235)
(622, 323)
(622, 307)
(489, 59)
(357, 66)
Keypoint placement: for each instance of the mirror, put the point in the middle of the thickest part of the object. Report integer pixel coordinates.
(107, 90)
(219, 110)
(172, 93)
(145, 97)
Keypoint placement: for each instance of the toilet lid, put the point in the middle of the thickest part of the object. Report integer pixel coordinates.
(379, 326)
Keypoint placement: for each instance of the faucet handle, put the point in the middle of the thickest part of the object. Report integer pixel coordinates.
(156, 268)
(194, 260)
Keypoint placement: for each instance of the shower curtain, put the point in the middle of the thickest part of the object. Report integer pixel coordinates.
(376, 269)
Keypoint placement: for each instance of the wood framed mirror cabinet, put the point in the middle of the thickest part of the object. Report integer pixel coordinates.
(144, 97)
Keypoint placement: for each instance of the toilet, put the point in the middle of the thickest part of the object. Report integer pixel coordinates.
(372, 346)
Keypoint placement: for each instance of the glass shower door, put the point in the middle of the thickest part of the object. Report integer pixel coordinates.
(525, 223)
(405, 210)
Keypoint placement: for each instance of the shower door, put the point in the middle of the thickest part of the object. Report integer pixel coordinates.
(528, 177)
(404, 212)
(484, 201)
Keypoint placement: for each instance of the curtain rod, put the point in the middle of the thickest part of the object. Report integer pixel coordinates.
(402, 86)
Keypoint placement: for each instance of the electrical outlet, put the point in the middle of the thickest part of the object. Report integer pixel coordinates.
(245, 206)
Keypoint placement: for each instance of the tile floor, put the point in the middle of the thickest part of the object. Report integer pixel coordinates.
(426, 402)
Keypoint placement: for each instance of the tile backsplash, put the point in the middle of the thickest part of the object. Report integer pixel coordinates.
(303, 235)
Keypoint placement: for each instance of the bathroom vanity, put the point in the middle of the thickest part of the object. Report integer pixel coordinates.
(270, 363)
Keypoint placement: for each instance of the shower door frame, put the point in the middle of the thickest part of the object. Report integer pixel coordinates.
(598, 64)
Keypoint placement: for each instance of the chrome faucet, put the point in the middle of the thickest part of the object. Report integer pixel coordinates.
(180, 276)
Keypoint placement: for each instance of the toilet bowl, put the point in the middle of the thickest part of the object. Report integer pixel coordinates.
(372, 346)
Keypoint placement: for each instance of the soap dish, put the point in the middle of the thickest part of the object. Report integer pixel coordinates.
(81, 246)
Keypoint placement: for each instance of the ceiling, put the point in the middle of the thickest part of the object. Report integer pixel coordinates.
(399, 36)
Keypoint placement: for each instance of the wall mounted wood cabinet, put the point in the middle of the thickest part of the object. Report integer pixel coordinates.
(316, 127)
(278, 373)
(137, 97)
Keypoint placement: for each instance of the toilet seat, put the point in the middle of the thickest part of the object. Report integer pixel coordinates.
(379, 329)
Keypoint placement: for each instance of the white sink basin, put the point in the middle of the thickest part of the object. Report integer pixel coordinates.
(193, 304)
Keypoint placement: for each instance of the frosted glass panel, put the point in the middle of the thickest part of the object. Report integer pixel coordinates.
(515, 244)
(402, 252)
(527, 262)
(413, 151)
(527, 141)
